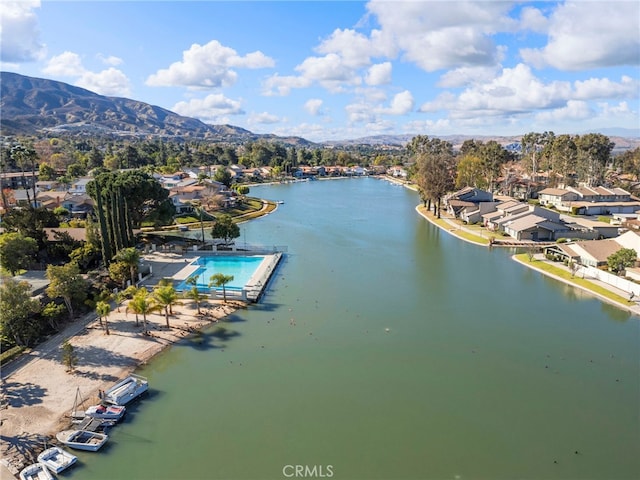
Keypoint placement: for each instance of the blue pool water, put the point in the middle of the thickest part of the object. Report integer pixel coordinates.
(241, 267)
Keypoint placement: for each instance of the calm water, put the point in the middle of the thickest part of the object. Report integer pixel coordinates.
(388, 349)
(241, 268)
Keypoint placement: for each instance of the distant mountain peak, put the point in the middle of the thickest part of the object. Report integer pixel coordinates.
(36, 105)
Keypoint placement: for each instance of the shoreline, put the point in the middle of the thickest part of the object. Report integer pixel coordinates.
(633, 309)
(38, 393)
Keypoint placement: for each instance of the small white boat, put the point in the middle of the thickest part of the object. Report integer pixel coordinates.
(37, 471)
(82, 439)
(106, 412)
(123, 392)
(57, 459)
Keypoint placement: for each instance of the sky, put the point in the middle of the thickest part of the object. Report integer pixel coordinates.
(334, 70)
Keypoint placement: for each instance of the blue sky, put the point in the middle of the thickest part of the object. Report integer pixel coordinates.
(345, 69)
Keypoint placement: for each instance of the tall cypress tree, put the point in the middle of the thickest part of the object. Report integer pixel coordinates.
(107, 252)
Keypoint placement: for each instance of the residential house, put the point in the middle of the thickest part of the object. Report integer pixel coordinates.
(16, 180)
(80, 185)
(594, 253)
(456, 202)
(588, 229)
(397, 172)
(589, 200)
(535, 228)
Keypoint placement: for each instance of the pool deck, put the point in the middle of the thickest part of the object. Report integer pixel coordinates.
(178, 268)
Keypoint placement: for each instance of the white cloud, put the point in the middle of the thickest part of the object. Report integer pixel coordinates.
(282, 85)
(109, 59)
(209, 109)
(360, 112)
(111, 82)
(330, 71)
(67, 64)
(573, 110)
(587, 35)
(313, 105)
(356, 49)
(464, 76)
(441, 125)
(441, 35)
(401, 104)
(263, 118)
(379, 74)
(19, 34)
(596, 88)
(208, 66)
(516, 90)
(534, 20)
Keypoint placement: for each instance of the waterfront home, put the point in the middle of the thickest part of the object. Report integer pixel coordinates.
(467, 199)
(535, 228)
(594, 253)
(589, 200)
(590, 253)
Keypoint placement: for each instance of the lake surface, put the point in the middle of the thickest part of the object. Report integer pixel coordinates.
(388, 349)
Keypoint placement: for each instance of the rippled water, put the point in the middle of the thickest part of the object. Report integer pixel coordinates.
(387, 349)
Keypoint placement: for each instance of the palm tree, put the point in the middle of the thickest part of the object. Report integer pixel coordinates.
(196, 295)
(220, 280)
(103, 309)
(166, 296)
(142, 303)
(130, 257)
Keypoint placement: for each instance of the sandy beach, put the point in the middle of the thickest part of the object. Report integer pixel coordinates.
(37, 391)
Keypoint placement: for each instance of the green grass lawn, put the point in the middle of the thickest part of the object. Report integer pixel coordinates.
(565, 275)
(457, 232)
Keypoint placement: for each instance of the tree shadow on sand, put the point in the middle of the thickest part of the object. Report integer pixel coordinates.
(22, 394)
(100, 357)
(25, 446)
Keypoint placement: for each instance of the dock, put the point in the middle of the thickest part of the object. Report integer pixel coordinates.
(260, 278)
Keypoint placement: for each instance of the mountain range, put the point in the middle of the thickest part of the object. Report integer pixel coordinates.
(36, 106)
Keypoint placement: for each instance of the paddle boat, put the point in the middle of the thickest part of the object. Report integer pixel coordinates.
(57, 459)
(82, 439)
(37, 471)
(128, 389)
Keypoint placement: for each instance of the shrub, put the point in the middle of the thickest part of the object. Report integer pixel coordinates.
(8, 355)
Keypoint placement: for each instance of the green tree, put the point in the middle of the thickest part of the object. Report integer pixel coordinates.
(65, 281)
(564, 157)
(166, 296)
(623, 258)
(69, 356)
(470, 172)
(222, 175)
(46, 172)
(16, 252)
(220, 280)
(17, 312)
(131, 258)
(143, 304)
(118, 272)
(103, 309)
(225, 228)
(594, 152)
(30, 222)
(435, 168)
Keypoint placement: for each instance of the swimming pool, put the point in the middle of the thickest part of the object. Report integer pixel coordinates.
(241, 267)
